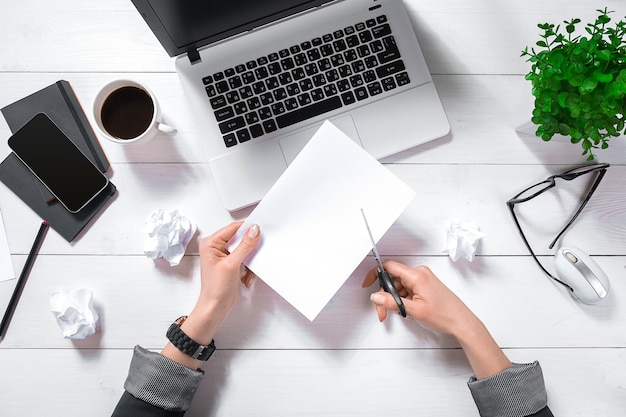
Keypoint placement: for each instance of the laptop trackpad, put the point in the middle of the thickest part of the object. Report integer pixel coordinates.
(244, 177)
(291, 145)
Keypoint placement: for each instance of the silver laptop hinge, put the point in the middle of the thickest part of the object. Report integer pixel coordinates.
(194, 56)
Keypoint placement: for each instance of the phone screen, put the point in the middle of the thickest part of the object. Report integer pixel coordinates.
(69, 175)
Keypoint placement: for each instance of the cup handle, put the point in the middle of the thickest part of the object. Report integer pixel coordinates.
(166, 129)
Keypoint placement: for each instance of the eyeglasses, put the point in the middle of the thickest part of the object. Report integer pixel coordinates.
(543, 186)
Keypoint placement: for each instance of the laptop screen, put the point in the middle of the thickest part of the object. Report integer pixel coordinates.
(186, 25)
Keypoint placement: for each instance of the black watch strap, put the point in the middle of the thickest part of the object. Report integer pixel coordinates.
(187, 345)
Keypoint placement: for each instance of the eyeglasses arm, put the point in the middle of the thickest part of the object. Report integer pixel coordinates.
(511, 206)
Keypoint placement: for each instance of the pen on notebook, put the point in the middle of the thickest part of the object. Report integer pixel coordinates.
(21, 281)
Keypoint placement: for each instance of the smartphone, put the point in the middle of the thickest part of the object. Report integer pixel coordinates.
(54, 159)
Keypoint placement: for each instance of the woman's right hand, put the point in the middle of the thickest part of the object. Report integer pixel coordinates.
(425, 298)
(431, 303)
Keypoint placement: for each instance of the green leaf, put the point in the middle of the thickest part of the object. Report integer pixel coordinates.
(556, 59)
(602, 77)
(577, 80)
(603, 19)
(542, 44)
(603, 54)
(588, 86)
(610, 129)
(585, 107)
(540, 130)
(578, 68)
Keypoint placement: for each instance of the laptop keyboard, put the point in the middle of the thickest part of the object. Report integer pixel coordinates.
(306, 80)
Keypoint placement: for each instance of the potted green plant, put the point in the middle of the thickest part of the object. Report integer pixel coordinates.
(579, 82)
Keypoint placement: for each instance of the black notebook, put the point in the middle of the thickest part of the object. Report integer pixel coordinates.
(59, 102)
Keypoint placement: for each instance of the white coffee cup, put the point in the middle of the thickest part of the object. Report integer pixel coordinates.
(127, 111)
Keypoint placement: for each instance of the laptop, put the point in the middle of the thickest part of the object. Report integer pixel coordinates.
(262, 76)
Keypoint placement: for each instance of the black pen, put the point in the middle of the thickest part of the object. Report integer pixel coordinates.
(22, 279)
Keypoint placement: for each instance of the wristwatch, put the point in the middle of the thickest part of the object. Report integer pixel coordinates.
(187, 345)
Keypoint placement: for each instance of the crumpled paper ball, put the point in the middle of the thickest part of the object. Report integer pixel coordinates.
(462, 239)
(74, 312)
(169, 233)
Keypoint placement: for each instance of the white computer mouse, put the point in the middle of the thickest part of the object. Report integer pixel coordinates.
(583, 274)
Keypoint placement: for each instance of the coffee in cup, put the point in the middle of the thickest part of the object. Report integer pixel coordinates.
(127, 111)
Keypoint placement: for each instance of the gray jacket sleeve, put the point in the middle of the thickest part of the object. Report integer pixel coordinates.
(160, 381)
(516, 391)
(167, 385)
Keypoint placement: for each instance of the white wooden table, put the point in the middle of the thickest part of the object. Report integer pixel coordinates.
(271, 360)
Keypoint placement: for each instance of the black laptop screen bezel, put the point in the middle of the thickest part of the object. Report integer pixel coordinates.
(161, 32)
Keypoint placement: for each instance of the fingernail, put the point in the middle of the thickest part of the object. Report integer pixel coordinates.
(377, 298)
(253, 231)
(249, 282)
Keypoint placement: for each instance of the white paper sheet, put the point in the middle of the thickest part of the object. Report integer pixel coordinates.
(312, 232)
(6, 265)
